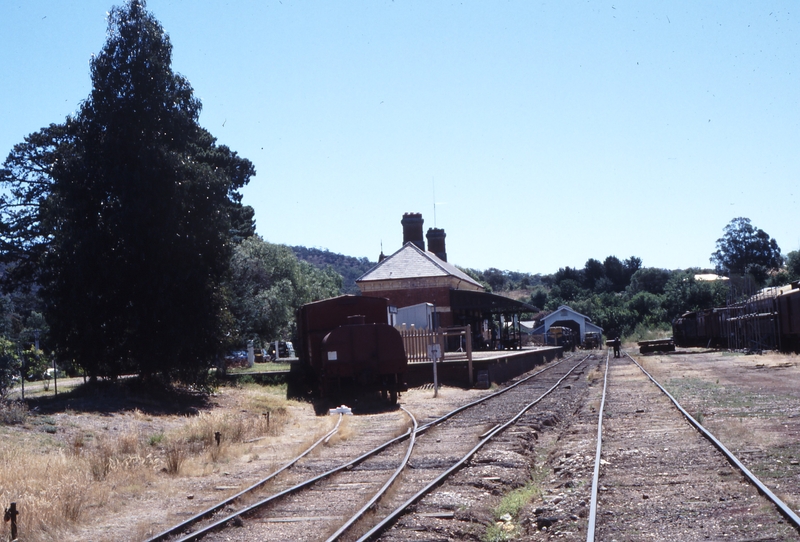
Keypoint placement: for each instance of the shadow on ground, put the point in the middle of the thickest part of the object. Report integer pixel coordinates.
(109, 397)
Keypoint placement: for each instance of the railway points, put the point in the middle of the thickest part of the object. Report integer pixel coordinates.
(467, 428)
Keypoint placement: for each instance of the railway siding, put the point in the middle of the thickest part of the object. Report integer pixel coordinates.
(662, 480)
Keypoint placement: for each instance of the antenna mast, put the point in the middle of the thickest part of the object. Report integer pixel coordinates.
(433, 181)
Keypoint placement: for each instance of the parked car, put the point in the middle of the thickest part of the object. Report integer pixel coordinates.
(236, 358)
(285, 348)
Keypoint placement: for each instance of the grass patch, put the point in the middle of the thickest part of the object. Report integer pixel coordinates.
(740, 403)
(260, 368)
(505, 526)
(513, 502)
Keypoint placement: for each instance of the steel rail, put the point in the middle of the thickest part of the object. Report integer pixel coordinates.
(196, 535)
(787, 512)
(596, 476)
(383, 489)
(490, 396)
(397, 512)
(176, 529)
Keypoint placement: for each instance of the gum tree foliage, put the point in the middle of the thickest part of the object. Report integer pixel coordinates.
(593, 272)
(619, 273)
(793, 265)
(683, 293)
(539, 298)
(267, 286)
(9, 365)
(496, 280)
(348, 267)
(649, 279)
(125, 215)
(745, 249)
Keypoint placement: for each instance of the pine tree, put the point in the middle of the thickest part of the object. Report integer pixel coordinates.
(126, 214)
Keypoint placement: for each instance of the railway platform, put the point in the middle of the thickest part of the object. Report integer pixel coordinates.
(494, 366)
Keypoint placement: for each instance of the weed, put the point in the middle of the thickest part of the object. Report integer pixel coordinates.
(128, 443)
(504, 527)
(217, 452)
(73, 501)
(13, 412)
(100, 461)
(96, 472)
(175, 456)
(499, 531)
(513, 502)
(698, 417)
(76, 443)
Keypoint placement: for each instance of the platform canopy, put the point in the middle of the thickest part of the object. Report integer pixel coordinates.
(466, 300)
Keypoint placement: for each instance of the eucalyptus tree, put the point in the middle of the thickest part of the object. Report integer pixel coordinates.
(745, 249)
(266, 287)
(125, 214)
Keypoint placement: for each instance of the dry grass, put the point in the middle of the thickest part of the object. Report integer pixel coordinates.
(594, 376)
(742, 432)
(175, 454)
(50, 492)
(346, 431)
(92, 465)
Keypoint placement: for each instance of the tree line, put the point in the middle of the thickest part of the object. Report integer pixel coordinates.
(627, 299)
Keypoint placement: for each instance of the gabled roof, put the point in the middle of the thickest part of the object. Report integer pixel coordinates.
(411, 262)
(559, 312)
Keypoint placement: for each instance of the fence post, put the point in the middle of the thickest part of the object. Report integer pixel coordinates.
(468, 333)
(11, 515)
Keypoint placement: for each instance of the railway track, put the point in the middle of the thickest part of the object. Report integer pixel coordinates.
(660, 475)
(347, 502)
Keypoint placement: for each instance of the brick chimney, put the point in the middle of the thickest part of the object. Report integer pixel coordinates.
(436, 242)
(412, 229)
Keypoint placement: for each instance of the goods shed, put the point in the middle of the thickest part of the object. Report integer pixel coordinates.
(566, 317)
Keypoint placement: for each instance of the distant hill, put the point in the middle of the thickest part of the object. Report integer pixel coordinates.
(349, 267)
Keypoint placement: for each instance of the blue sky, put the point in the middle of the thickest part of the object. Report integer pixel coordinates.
(546, 133)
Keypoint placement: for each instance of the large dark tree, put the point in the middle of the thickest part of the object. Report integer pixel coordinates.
(746, 249)
(126, 214)
(593, 272)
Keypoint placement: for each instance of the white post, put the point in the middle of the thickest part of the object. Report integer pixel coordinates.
(434, 351)
(251, 355)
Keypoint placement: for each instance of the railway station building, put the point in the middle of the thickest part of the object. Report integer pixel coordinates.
(413, 276)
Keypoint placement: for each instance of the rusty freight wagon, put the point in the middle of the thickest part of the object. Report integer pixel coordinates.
(789, 319)
(346, 348)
